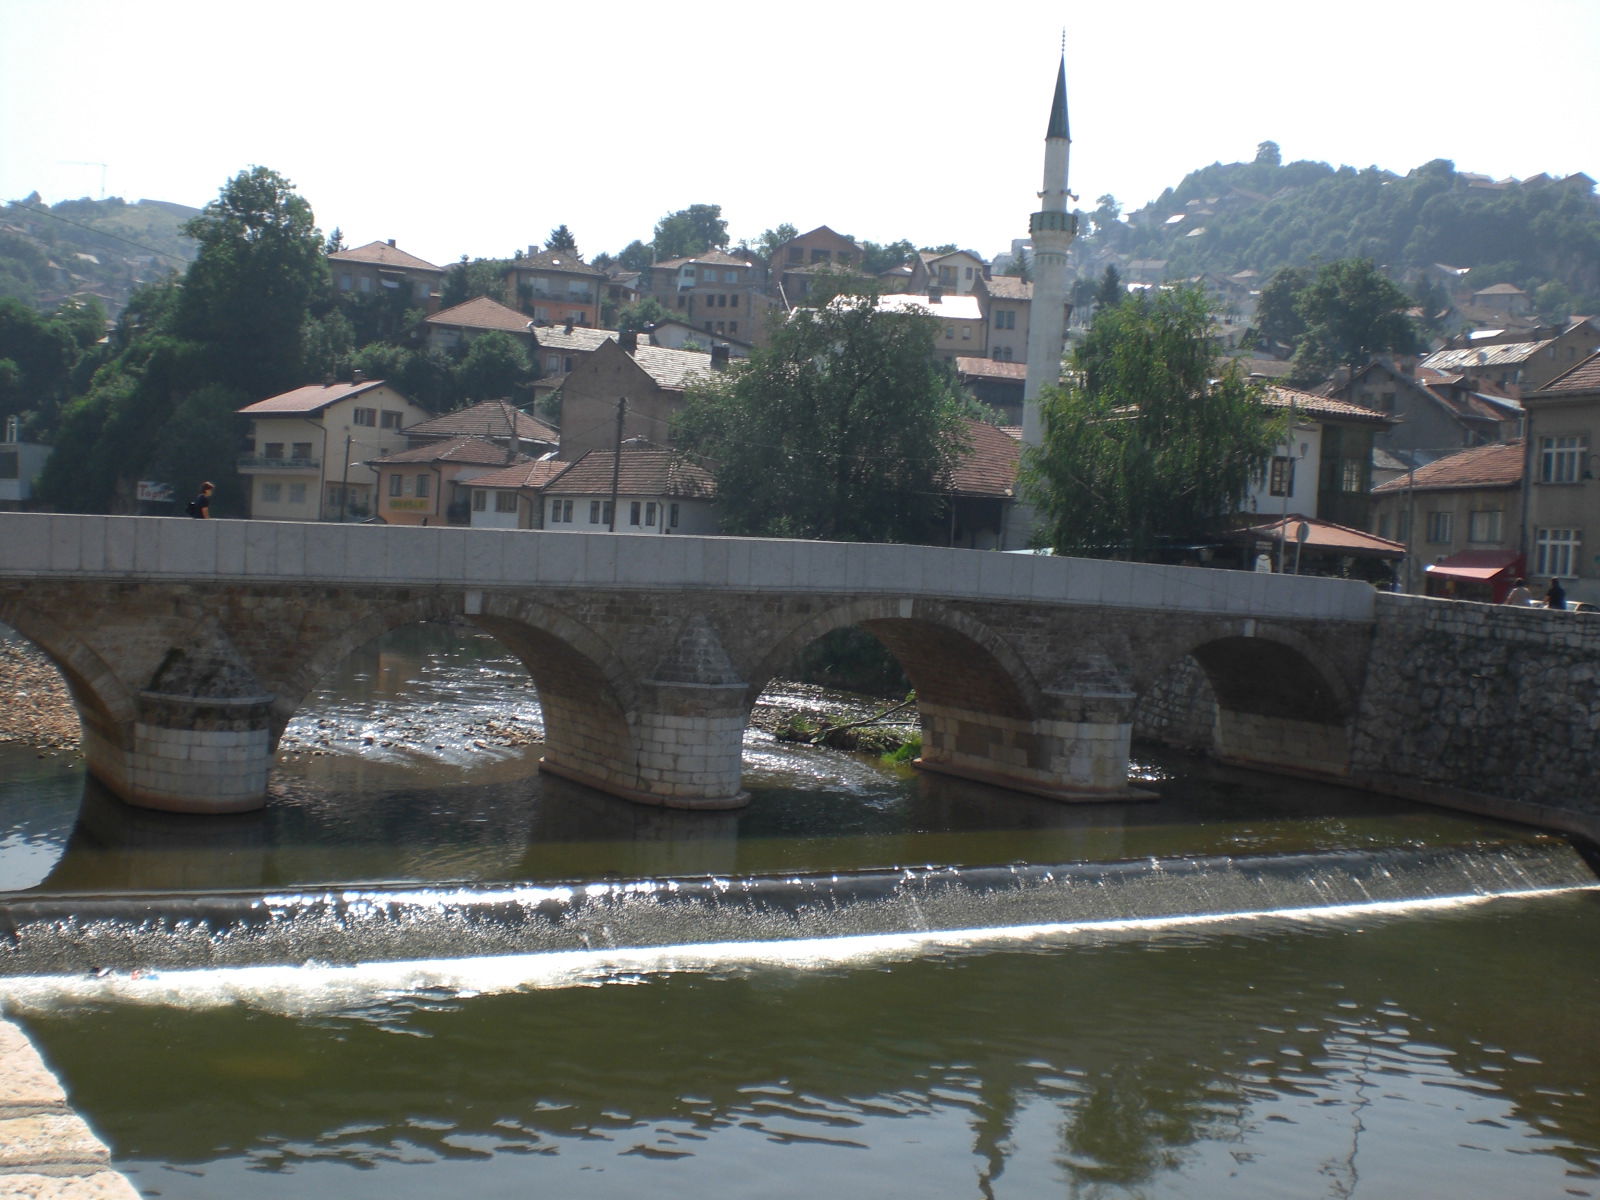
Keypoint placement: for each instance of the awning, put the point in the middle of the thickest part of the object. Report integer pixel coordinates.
(1324, 537)
(1476, 564)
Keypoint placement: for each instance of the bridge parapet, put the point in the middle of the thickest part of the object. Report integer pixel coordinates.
(180, 550)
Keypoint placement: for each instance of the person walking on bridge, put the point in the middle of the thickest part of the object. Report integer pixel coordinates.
(200, 506)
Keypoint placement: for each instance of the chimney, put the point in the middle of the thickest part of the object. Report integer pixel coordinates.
(391, 241)
(629, 339)
(569, 324)
(358, 376)
(935, 293)
(720, 353)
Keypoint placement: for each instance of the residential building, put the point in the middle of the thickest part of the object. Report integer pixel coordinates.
(511, 497)
(645, 490)
(717, 293)
(982, 489)
(996, 384)
(455, 327)
(1006, 302)
(962, 330)
(625, 390)
(1434, 412)
(1460, 519)
(1562, 528)
(1521, 366)
(310, 448)
(793, 263)
(558, 349)
(494, 421)
(1324, 468)
(1505, 298)
(20, 464)
(383, 267)
(425, 485)
(679, 335)
(555, 287)
(956, 272)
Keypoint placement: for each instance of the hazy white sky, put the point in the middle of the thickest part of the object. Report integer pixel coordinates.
(475, 128)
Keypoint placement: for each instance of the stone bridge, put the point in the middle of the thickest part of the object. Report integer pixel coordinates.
(188, 646)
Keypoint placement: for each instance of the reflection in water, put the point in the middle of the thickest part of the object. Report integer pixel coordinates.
(1440, 1053)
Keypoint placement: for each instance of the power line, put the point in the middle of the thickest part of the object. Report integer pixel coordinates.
(116, 237)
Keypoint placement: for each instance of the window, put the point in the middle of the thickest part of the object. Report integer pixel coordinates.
(505, 502)
(1352, 477)
(391, 420)
(672, 516)
(552, 363)
(949, 333)
(1439, 524)
(271, 493)
(1556, 551)
(396, 485)
(633, 516)
(796, 254)
(272, 450)
(297, 493)
(1005, 318)
(561, 512)
(480, 500)
(1281, 482)
(366, 416)
(301, 450)
(1561, 458)
(422, 485)
(345, 281)
(1484, 526)
(650, 514)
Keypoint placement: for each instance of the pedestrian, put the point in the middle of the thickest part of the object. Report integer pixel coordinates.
(1556, 597)
(1519, 595)
(200, 506)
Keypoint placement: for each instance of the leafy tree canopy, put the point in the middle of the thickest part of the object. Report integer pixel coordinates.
(1337, 316)
(877, 258)
(1149, 440)
(467, 280)
(561, 239)
(690, 231)
(843, 427)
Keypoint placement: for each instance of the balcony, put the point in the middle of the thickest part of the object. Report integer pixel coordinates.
(253, 464)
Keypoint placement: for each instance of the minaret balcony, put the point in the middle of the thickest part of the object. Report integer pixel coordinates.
(1052, 221)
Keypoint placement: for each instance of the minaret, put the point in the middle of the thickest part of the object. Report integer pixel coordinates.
(1051, 229)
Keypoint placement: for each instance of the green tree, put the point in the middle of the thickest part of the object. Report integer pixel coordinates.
(496, 365)
(1268, 155)
(769, 241)
(690, 231)
(1351, 312)
(843, 427)
(466, 280)
(635, 256)
(1278, 321)
(877, 258)
(641, 314)
(1110, 293)
(1150, 440)
(245, 296)
(561, 239)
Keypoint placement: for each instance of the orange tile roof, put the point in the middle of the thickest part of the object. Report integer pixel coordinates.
(533, 474)
(486, 420)
(1009, 287)
(989, 368)
(641, 473)
(1325, 535)
(1584, 377)
(1325, 407)
(989, 468)
(385, 255)
(309, 399)
(1499, 465)
(481, 313)
(562, 261)
(457, 450)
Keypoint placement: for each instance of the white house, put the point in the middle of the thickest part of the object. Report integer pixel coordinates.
(655, 491)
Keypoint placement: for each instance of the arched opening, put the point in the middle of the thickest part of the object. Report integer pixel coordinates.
(1267, 700)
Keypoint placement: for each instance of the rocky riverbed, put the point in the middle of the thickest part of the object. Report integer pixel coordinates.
(36, 709)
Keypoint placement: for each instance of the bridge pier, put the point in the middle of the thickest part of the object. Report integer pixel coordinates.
(688, 749)
(1079, 752)
(187, 754)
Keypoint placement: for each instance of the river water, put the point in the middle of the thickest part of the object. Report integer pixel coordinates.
(474, 980)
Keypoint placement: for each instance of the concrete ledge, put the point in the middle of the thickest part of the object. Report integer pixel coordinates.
(47, 1151)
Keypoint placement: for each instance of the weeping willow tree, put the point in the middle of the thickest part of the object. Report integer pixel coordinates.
(1151, 440)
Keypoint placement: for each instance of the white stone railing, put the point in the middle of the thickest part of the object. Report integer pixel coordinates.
(180, 549)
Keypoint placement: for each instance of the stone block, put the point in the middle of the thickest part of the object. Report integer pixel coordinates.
(96, 1185)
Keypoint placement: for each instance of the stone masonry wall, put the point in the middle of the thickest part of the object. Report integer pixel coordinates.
(1484, 706)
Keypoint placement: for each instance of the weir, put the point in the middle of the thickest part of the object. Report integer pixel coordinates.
(75, 934)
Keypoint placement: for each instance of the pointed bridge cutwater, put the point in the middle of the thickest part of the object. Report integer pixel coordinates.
(189, 645)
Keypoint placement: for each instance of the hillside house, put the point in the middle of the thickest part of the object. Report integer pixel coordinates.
(494, 421)
(645, 490)
(310, 448)
(643, 384)
(426, 484)
(555, 287)
(1563, 519)
(381, 267)
(452, 328)
(1324, 469)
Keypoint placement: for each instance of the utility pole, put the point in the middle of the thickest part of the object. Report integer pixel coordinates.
(616, 459)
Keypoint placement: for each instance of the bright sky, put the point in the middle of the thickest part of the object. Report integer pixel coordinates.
(476, 128)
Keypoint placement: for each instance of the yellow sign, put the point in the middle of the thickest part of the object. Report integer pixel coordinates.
(409, 505)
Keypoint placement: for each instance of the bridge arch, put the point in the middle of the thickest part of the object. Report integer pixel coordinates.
(106, 706)
(949, 657)
(1279, 701)
(586, 694)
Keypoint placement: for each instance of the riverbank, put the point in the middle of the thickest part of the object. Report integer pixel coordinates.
(37, 710)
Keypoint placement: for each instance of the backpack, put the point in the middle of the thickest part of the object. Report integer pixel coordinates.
(194, 507)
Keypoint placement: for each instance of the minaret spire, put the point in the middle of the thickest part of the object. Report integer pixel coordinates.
(1051, 231)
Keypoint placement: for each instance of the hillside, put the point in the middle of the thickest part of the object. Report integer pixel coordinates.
(1541, 234)
(105, 248)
